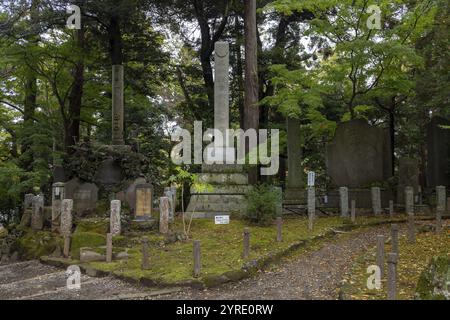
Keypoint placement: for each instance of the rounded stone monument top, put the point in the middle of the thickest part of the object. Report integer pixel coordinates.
(222, 49)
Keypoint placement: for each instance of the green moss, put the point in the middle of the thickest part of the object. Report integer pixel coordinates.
(433, 280)
(85, 239)
(100, 226)
(33, 245)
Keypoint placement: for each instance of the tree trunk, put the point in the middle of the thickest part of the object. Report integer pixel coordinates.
(251, 109)
(72, 134)
(239, 72)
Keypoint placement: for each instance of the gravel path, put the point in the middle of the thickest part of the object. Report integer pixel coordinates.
(315, 275)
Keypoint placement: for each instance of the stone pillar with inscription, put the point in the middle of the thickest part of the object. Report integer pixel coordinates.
(37, 217)
(117, 105)
(164, 208)
(115, 223)
(66, 217)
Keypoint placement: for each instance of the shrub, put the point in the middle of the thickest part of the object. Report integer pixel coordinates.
(261, 204)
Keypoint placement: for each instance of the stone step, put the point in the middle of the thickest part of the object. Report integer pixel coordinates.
(224, 189)
(224, 178)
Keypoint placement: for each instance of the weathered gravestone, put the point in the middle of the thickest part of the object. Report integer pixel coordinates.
(37, 217)
(144, 201)
(85, 198)
(376, 200)
(171, 193)
(164, 208)
(109, 173)
(408, 175)
(438, 145)
(343, 192)
(130, 192)
(66, 217)
(441, 198)
(359, 155)
(294, 189)
(115, 222)
(58, 194)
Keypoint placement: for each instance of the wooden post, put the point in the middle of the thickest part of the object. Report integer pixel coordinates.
(392, 276)
(394, 238)
(279, 229)
(353, 211)
(67, 243)
(380, 254)
(197, 259)
(246, 243)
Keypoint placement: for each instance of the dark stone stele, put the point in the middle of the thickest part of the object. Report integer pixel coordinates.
(438, 144)
(408, 176)
(359, 155)
(109, 172)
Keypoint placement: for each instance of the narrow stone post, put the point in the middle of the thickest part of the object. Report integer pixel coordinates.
(311, 207)
(67, 243)
(394, 238)
(391, 208)
(171, 194)
(164, 208)
(109, 247)
(392, 276)
(380, 254)
(66, 217)
(37, 217)
(343, 192)
(279, 229)
(58, 194)
(411, 229)
(246, 243)
(409, 200)
(353, 211)
(115, 223)
(376, 200)
(448, 205)
(197, 259)
(145, 254)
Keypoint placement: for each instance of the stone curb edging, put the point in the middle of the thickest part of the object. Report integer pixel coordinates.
(247, 270)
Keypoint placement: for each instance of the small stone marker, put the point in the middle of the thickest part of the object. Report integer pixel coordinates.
(164, 208)
(115, 223)
(380, 253)
(197, 259)
(145, 254)
(411, 229)
(391, 208)
(279, 229)
(409, 200)
(67, 243)
(66, 217)
(58, 194)
(109, 247)
(440, 198)
(394, 238)
(376, 200)
(37, 217)
(311, 207)
(353, 211)
(246, 243)
(392, 276)
(343, 192)
(171, 193)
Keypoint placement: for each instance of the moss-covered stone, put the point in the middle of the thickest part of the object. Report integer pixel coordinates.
(85, 239)
(100, 226)
(33, 245)
(433, 282)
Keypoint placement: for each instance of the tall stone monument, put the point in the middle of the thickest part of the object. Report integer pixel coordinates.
(229, 182)
(295, 191)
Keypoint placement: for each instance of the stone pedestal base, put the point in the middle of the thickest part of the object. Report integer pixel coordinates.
(226, 196)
